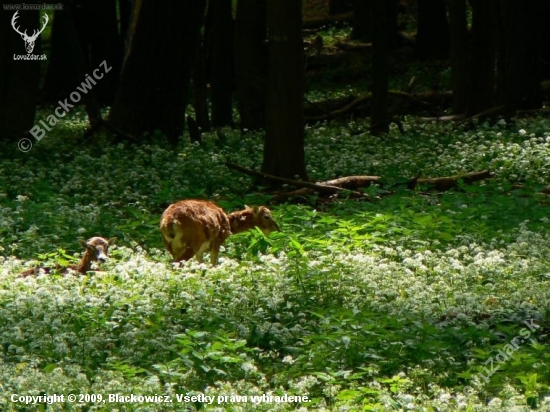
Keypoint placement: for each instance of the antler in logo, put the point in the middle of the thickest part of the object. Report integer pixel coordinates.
(29, 40)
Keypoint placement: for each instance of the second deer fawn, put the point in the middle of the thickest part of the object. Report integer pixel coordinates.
(191, 227)
(96, 249)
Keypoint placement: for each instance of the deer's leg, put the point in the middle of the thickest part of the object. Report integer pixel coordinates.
(199, 256)
(214, 252)
(187, 254)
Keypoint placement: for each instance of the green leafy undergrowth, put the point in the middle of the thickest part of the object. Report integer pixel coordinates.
(397, 303)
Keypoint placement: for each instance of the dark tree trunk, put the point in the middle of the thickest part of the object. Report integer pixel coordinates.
(200, 91)
(251, 63)
(392, 25)
(105, 44)
(460, 59)
(76, 67)
(339, 6)
(61, 76)
(379, 109)
(284, 142)
(519, 75)
(544, 38)
(432, 40)
(19, 78)
(155, 78)
(481, 94)
(219, 29)
(362, 20)
(125, 9)
(93, 28)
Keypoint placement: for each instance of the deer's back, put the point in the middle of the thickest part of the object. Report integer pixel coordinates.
(191, 224)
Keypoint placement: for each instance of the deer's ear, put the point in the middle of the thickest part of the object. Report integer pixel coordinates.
(246, 207)
(112, 241)
(83, 243)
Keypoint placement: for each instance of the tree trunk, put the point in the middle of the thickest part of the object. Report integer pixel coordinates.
(69, 43)
(519, 75)
(125, 10)
(339, 6)
(460, 64)
(379, 111)
(93, 29)
(362, 20)
(432, 40)
(154, 84)
(251, 63)
(200, 90)
(219, 35)
(481, 94)
(61, 76)
(392, 26)
(105, 44)
(284, 141)
(19, 79)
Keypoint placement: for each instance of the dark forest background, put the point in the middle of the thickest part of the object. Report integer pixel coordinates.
(188, 64)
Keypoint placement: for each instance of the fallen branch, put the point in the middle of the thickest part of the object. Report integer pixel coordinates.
(489, 113)
(297, 183)
(451, 182)
(348, 184)
(364, 99)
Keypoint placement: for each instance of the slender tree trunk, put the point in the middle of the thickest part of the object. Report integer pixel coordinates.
(200, 92)
(362, 20)
(379, 110)
(219, 30)
(92, 28)
(66, 39)
(61, 76)
(339, 6)
(251, 63)
(19, 78)
(483, 56)
(284, 142)
(460, 58)
(519, 74)
(200, 89)
(125, 10)
(432, 40)
(153, 89)
(105, 44)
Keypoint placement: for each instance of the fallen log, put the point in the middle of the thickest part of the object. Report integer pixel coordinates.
(417, 100)
(348, 184)
(326, 188)
(451, 182)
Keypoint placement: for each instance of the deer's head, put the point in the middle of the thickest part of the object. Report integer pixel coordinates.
(29, 40)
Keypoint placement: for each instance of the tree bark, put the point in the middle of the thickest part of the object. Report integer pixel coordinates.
(251, 63)
(362, 20)
(219, 35)
(154, 84)
(380, 121)
(482, 79)
(19, 79)
(519, 72)
(284, 142)
(460, 59)
(432, 40)
(92, 28)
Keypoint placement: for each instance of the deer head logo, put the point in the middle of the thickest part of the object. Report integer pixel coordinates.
(29, 40)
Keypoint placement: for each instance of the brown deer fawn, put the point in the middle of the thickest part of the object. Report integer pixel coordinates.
(191, 227)
(96, 249)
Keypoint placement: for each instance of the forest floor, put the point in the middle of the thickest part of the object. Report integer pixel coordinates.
(403, 299)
